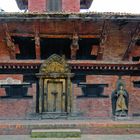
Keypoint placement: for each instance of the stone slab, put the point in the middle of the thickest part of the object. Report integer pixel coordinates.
(56, 133)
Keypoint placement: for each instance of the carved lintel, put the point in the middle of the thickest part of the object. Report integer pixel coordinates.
(55, 65)
(9, 42)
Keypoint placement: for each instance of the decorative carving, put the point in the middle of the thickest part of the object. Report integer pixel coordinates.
(55, 64)
(120, 99)
(9, 42)
(74, 46)
(9, 80)
(104, 33)
(103, 39)
(94, 50)
(37, 40)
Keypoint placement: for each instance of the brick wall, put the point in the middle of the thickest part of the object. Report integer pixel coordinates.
(87, 107)
(118, 38)
(71, 5)
(17, 108)
(41, 5)
(101, 107)
(94, 107)
(37, 6)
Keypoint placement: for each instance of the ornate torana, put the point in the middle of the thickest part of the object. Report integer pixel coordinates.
(55, 64)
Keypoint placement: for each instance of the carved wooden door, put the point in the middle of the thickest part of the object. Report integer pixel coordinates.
(54, 97)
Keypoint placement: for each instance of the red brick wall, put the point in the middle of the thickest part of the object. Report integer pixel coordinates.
(118, 39)
(101, 107)
(87, 107)
(134, 94)
(37, 6)
(94, 107)
(15, 108)
(20, 108)
(71, 5)
(41, 5)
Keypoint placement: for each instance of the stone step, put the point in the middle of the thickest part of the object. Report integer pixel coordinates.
(56, 133)
(53, 115)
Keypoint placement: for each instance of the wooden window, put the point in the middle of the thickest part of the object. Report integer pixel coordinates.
(54, 5)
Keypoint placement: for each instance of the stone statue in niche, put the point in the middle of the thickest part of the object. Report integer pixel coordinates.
(120, 99)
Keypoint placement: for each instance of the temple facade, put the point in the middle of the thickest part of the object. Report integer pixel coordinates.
(58, 62)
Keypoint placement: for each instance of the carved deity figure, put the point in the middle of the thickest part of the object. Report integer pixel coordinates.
(74, 46)
(120, 100)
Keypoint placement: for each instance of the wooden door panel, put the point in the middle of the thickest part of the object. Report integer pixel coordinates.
(54, 96)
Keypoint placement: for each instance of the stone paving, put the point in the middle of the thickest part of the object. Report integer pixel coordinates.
(84, 137)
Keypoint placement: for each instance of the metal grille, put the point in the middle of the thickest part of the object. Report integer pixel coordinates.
(54, 5)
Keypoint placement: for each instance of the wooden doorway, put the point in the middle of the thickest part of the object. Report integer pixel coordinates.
(55, 94)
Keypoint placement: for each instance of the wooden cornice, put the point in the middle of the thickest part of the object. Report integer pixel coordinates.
(74, 64)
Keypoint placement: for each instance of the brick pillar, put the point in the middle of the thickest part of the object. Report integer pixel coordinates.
(37, 5)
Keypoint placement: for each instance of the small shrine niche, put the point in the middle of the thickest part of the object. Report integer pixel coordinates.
(120, 99)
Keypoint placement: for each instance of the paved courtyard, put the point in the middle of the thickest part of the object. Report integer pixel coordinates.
(84, 137)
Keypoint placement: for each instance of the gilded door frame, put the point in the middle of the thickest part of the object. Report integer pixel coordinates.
(55, 67)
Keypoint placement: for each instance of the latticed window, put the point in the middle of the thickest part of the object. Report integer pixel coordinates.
(54, 5)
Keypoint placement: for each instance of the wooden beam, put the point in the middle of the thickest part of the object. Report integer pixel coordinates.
(9, 42)
(55, 35)
(132, 42)
(37, 40)
(103, 38)
(22, 34)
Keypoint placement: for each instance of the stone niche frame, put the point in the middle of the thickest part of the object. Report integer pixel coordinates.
(55, 68)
